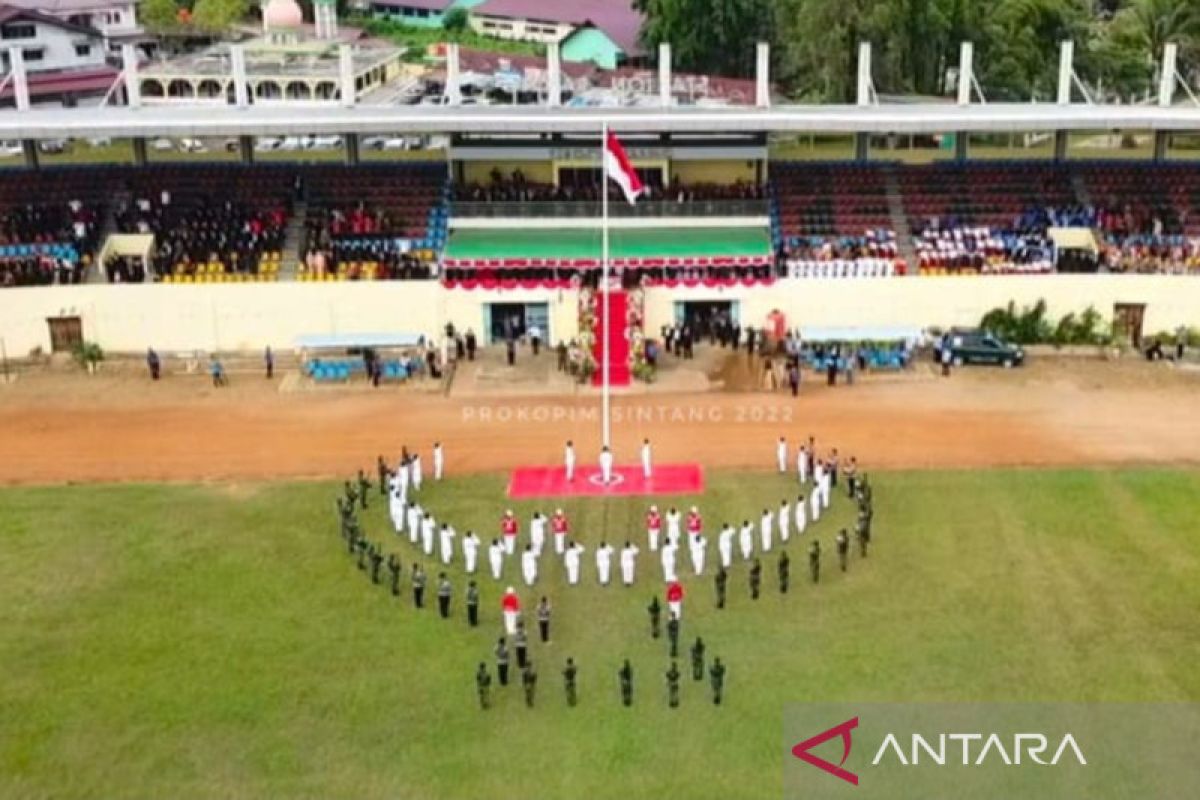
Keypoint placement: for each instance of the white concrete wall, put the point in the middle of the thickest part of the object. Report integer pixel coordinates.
(1170, 300)
(248, 316)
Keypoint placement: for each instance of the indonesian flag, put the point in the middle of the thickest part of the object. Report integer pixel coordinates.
(617, 165)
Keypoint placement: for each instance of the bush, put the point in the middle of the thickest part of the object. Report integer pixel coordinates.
(1031, 326)
(88, 354)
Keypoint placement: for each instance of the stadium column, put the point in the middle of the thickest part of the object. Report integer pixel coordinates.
(862, 147)
(1162, 141)
(1060, 145)
(351, 152)
(246, 149)
(140, 159)
(29, 147)
(961, 140)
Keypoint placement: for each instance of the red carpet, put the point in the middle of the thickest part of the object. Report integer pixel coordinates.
(618, 344)
(529, 482)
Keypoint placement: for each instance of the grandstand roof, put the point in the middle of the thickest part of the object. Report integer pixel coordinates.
(200, 120)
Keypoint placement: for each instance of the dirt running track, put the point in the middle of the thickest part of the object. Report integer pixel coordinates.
(63, 426)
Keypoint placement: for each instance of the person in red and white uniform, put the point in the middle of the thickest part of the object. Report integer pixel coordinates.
(695, 523)
(675, 599)
(509, 526)
(560, 528)
(510, 606)
(653, 527)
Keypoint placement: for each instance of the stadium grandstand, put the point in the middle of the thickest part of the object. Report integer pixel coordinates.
(512, 203)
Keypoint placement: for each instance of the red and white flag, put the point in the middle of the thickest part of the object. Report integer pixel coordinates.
(617, 166)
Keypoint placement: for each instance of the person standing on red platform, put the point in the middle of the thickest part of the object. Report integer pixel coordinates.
(560, 527)
(510, 605)
(509, 526)
(675, 599)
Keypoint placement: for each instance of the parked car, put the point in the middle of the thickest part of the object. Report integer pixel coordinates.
(980, 347)
(264, 144)
(10, 149)
(53, 146)
(192, 145)
(290, 143)
(162, 144)
(323, 142)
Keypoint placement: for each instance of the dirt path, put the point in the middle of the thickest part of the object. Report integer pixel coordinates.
(57, 426)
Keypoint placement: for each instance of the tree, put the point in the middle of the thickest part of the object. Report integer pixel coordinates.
(455, 19)
(158, 15)
(709, 36)
(218, 15)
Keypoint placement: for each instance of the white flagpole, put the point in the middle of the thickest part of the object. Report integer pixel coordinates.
(604, 376)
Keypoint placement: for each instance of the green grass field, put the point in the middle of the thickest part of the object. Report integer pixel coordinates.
(217, 641)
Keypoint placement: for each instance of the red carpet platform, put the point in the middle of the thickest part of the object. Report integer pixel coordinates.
(618, 344)
(527, 482)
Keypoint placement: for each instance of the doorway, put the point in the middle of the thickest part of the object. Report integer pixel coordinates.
(504, 319)
(66, 333)
(1127, 322)
(701, 315)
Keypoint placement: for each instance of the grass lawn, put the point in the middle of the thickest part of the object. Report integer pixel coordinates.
(217, 641)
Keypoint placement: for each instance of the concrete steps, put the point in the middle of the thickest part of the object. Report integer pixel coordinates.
(899, 218)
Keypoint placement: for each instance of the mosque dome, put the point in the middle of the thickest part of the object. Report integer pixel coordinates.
(282, 14)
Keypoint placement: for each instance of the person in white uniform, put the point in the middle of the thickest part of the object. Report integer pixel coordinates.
(765, 529)
(537, 532)
(653, 527)
(416, 472)
(673, 521)
(746, 540)
(606, 465)
(801, 516)
(802, 463)
(785, 521)
(414, 514)
(447, 543)
(529, 565)
(697, 545)
(814, 504)
(646, 465)
(604, 554)
(571, 562)
(428, 528)
(781, 451)
(496, 558)
(439, 461)
(826, 487)
(629, 554)
(470, 548)
(403, 477)
(725, 545)
(668, 554)
(396, 509)
(569, 461)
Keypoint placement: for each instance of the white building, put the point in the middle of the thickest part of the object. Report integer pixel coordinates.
(65, 63)
(116, 20)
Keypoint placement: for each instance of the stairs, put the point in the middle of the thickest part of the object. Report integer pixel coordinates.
(899, 218)
(292, 238)
(618, 343)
